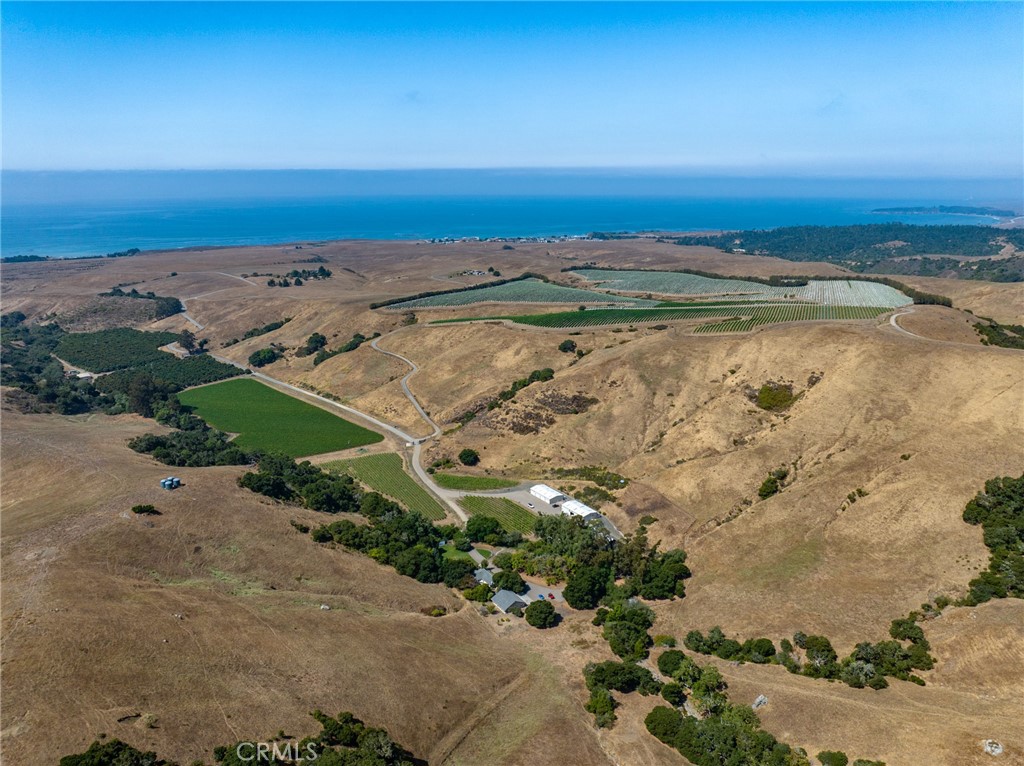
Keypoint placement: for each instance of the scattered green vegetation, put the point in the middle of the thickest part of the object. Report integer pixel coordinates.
(999, 509)
(386, 474)
(342, 740)
(145, 510)
(264, 356)
(164, 306)
(472, 483)
(1005, 335)
(257, 331)
(600, 475)
(868, 665)
(313, 344)
(775, 397)
(866, 248)
(357, 340)
(510, 515)
(269, 420)
(773, 484)
(192, 443)
(28, 364)
(107, 350)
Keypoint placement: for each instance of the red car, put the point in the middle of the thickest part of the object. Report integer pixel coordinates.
(551, 596)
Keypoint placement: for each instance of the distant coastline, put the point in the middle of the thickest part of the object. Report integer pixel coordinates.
(947, 210)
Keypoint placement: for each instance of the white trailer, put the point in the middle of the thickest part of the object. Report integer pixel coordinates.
(576, 508)
(547, 494)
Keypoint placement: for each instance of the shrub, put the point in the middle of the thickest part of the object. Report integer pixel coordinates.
(567, 347)
(145, 510)
(540, 614)
(769, 487)
(833, 758)
(469, 456)
(775, 397)
(602, 705)
(263, 357)
(673, 694)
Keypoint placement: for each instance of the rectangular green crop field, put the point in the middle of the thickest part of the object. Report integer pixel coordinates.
(266, 419)
(385, 473)
(510, 515)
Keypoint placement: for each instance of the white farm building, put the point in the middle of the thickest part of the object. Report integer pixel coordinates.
(576, 508)
(547, 494)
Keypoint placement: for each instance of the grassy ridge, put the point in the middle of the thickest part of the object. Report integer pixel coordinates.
(385, 473)
(268, 420)
(510, 515)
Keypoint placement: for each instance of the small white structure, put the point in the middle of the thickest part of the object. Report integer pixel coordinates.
(584, 511)
(547, 494)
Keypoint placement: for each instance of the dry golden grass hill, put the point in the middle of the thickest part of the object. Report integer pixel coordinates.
(90, 596)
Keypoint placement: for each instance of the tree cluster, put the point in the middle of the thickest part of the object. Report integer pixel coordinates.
(165, 306)
(999, 510)
(193, 443)
(343, 740)
(595, 567)
(1004, 335)
(813, 656)
(863, 246)
(263, 357)
(357, 340)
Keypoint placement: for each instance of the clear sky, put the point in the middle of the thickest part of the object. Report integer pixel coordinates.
(921, 89)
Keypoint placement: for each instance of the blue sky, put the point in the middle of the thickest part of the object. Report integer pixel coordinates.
(921, 89)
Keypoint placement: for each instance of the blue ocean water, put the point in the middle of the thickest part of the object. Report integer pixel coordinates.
(73, 229)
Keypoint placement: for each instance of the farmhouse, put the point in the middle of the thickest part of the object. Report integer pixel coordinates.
(506, 600)
(576, 508)
(484, 576)
(547, 494)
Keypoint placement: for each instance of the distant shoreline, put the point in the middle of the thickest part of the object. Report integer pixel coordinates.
(991, 212)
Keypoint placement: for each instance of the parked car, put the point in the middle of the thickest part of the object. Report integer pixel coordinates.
(551, 596)
(540, 596)
(529, 505)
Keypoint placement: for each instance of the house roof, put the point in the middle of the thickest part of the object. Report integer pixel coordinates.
(484, 575)
(545, 493)
(506, 599)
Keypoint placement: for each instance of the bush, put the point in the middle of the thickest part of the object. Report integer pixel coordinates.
(769, 487)
(602, 705)
(833, 758)
(263, 357)
(673, 694)
(540, 614)
(775, 397)
(145, 510)
(469, 456)
(567, 347)
(664, 723)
